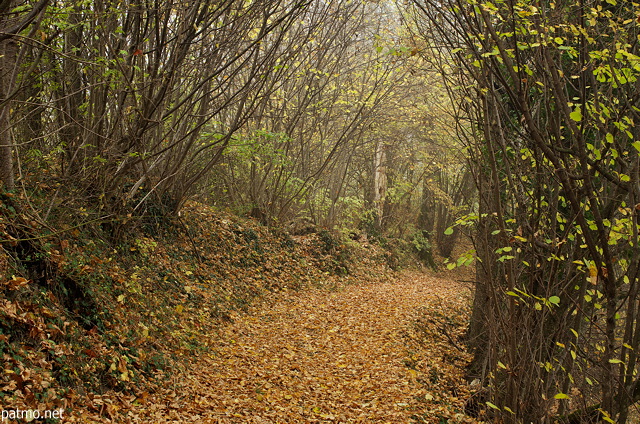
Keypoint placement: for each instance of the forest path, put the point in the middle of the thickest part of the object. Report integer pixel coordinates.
(344, 355)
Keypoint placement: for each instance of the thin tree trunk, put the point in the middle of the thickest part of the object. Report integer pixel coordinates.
(379, 182)
(8, 57)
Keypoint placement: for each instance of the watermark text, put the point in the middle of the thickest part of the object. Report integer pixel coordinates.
(29, 415)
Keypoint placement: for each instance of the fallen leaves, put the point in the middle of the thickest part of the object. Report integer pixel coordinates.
(313, 356)
(15, 283)
(344, 351)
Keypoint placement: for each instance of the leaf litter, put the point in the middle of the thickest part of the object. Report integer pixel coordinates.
(361, 353)
(165, 332)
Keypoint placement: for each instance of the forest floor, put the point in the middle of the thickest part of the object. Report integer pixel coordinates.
(382, 352)
(212, 318)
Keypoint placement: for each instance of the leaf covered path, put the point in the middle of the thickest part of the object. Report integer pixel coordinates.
(312, 356)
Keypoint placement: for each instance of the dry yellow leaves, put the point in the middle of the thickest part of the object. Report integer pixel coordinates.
(314, 356)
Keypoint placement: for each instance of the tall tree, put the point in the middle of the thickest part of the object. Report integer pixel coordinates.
(15, 17)
(555, 89)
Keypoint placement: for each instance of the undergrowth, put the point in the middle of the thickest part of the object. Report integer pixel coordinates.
(83, 312)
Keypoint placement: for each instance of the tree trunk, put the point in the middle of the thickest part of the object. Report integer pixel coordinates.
(379, 182)
(477, 337)
(8, 58)
(10, 25)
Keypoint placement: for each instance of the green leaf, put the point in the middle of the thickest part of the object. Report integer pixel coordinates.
(561, 396)
(448, 231)
(609, 138)
(576, 115)
(491, 405)
(555, 300)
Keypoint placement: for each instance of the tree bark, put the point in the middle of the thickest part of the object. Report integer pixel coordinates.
(10, 25)
(477, 337)
(8, 58)
(379, 182)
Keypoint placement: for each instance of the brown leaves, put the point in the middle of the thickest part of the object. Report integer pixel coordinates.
(16, 282)
(301, 356)
(438, 359)
(312, 356)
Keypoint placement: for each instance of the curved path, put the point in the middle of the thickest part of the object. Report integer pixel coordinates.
(312, 356)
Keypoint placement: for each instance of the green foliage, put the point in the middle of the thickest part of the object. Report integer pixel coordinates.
(423, 247)
(368, 224)
(551, 88)
(420, 242)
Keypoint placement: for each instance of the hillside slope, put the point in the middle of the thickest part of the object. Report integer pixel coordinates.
(82, 315)
(368, 352)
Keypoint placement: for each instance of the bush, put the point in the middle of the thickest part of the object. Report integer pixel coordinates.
(422, 246)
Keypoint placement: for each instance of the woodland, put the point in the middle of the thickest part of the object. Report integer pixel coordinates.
(285, 211)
